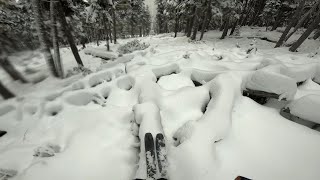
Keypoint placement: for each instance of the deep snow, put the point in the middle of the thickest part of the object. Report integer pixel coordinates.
(190, 91)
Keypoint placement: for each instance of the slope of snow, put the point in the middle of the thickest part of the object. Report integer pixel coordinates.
(190, 91)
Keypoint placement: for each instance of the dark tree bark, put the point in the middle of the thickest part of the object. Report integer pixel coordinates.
(234, 27)
(176, 26)
(291, 24)
(67, 33)
(302, 20)
(98, 36)
(114, 25)
(305, 35)
(11, 70)
(191, 21)
(55, 42)
(43, 38)
(107, 30)
(195, 24)
(226, 28)
(222, 26)
(278, 19)
(205, 19)
(5, 93)
(316, 35)
(140, 30)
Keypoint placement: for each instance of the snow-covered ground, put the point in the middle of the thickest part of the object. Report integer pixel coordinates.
(190, 91)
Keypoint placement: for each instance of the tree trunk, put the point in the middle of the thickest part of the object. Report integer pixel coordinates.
(222, 26)
(97, 36)
(187, 26)
(234, 27)
(176, 24)
(114, 23)
(140, 31)
(291, 24)
(131, 26)
(226, 28)
(11, 70)
(300, 23)
(205, 19)
(195, 24)
(305, 35)
(316, 35)
(191, 21)
(278, 19)
(243, 13)
(55, 42)
(43, 38)
(107, 29)
(5, 93)
(67, 33)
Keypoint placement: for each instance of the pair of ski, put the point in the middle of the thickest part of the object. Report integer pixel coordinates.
(155, 151)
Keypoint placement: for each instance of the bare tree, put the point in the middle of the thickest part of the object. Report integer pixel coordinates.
(195, 24)
(205, 19)
(114, 23)
(305, 35)
(55, 42)
(67, 33)
(43, 38)
(226, 28)
(302, 20)
(291, 24)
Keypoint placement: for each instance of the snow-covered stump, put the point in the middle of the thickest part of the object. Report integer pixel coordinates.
(147, 115)
(304, 111)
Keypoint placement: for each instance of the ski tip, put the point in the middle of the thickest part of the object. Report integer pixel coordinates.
(148, 136)
(162, 179)
(160, 136)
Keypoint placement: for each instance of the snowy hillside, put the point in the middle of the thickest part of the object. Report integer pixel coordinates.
(93, 127)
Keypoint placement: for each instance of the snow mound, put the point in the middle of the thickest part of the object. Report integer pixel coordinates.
(99, 78)
(101, 53)
(166, 70)
(175, 81)
(272, 82)
(307, 107)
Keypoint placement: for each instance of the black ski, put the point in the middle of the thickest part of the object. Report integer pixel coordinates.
(161, 156)
(150, 156)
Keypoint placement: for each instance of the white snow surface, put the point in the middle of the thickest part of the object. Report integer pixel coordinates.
(94, 125)
(284, 86)
(307, 107)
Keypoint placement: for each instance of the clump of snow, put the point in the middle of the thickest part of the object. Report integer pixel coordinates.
(46, 151)
(166, 70)
(7, 173)
(132, 46)
(76, 70)
(306, 107)
(271, 82)
(101, 53)
(175, 81)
